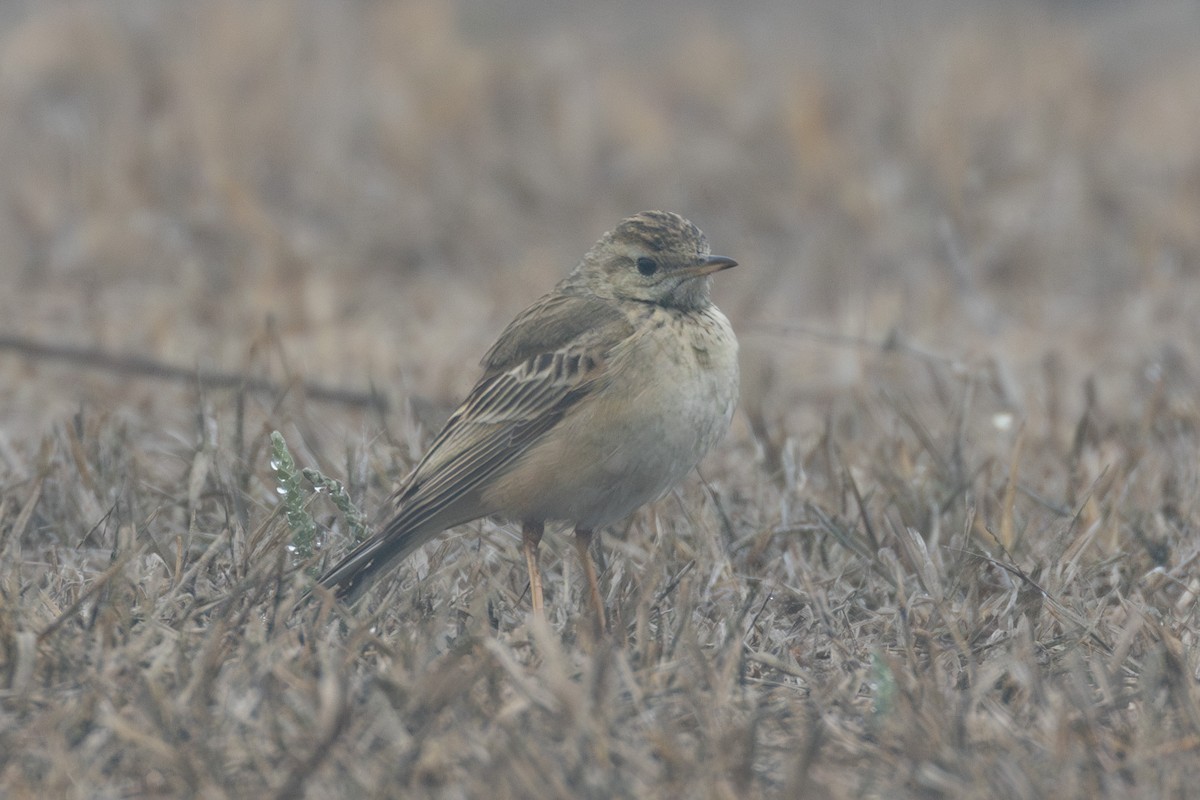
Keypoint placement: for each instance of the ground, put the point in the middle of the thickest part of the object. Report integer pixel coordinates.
(948, 549)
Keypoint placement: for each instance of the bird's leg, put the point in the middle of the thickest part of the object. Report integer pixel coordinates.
(531, 537)
(583, 544)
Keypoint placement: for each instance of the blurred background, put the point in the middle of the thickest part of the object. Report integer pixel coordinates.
(364, 193)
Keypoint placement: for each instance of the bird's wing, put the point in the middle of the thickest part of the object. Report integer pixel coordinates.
(547, 360)
(558, 321)
(549, 357)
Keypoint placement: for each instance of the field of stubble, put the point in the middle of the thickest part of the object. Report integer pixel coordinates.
(949, 548)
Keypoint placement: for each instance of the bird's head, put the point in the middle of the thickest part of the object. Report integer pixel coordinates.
(653, 257)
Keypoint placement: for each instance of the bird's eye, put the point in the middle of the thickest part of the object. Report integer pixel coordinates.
(647, 266)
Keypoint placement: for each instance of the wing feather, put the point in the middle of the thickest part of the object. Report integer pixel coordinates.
(546, 361)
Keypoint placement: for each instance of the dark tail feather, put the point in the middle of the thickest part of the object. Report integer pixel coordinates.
(351, 576)
(415, 525)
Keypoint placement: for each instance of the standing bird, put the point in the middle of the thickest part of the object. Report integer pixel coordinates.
(597, 399)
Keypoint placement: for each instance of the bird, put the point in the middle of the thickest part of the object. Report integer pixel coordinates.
(596, 400)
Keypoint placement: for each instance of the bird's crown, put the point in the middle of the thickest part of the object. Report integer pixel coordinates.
(654, 257)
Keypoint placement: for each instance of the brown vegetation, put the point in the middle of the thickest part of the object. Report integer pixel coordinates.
(949, 549)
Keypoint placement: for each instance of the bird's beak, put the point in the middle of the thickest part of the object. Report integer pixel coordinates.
(710, 265)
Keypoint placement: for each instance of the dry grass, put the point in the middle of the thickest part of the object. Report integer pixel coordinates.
(949, 549)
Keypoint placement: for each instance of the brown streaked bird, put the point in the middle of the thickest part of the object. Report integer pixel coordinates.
(596, 400)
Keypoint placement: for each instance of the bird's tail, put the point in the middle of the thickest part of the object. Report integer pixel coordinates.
(351, 576)
(419, 520)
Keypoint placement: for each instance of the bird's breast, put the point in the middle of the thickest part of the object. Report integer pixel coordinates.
(667, 398)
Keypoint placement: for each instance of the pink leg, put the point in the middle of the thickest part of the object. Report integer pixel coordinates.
(583, 544)
(531, 537)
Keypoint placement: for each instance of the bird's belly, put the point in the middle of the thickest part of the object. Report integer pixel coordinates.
(631, 442)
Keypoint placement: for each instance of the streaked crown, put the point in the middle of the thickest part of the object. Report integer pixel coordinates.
(655, 257)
